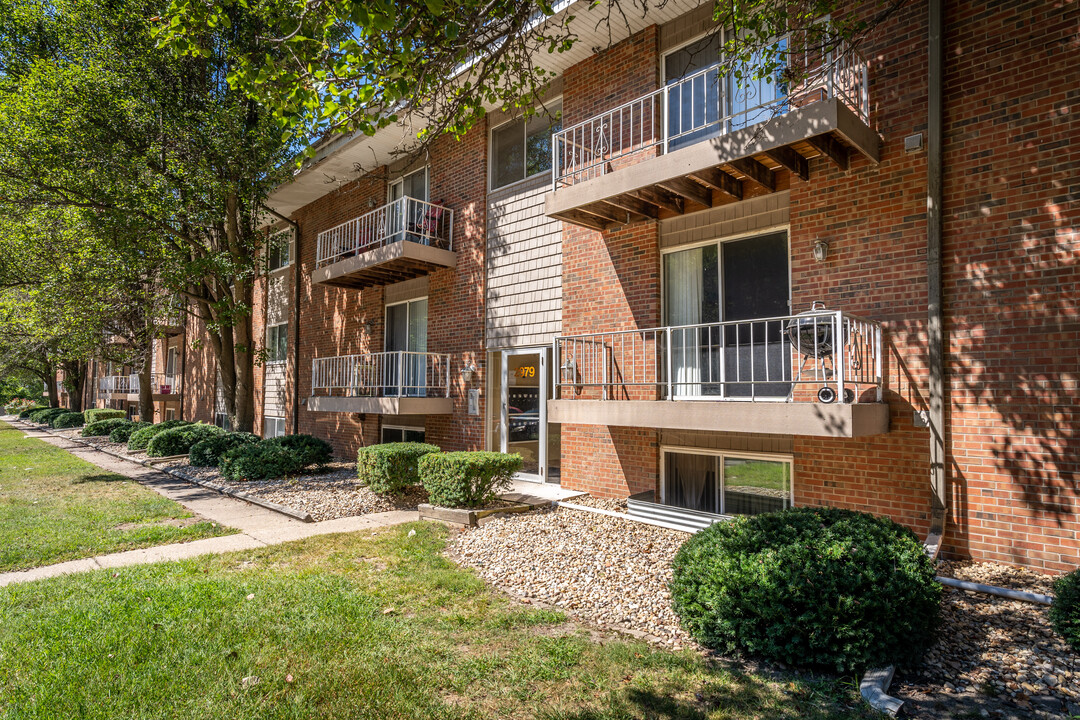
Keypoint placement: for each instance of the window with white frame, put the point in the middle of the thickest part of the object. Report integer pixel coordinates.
(279, 250)
(273, 427)
(277, 343)
(222, 421)
(393, 434)
(521, 148)
(725, 483)
(170, 414)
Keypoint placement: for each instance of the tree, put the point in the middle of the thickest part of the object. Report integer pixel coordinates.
(437, 66)
(93, 116)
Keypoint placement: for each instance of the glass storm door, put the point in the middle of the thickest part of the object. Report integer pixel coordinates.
(524, 386)
(405, 370)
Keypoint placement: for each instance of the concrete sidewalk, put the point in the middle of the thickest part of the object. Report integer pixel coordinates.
(258, 526)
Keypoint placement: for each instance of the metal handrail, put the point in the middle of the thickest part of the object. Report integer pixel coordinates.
(406, 218)
(761, 359)
(386, 374)
(161, 383)
(583, 150)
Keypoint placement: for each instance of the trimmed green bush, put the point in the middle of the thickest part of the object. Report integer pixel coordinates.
(46, 416)
(467, 479)
(93, 415)
(259, 461)
(309, 450)
(123, 433)
(25, 414)
(391, 468)
(809, 587)
(67, 420)
(178, 440)
(1065, 612)
(208, 452)
(141, 438)
(102, 428)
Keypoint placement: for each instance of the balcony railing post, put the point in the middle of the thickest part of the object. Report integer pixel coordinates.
(400, 373)
(664, 103)
(669, 365)
(446, 366)
(877, 362)
(841, 353)
(556, 371)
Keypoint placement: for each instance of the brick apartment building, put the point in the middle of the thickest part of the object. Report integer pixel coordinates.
(657, 290)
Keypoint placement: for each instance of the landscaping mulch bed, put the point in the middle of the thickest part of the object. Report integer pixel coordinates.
(995, 658)
(328, 493)
(998, 648)
(604, 570)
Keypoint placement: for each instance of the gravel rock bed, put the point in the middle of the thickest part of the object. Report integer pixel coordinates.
(606, 571)
(1000, 648)
(614, 505)
(332, 492)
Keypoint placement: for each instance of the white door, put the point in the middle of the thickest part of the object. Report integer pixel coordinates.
(405, 215)
(524, 389)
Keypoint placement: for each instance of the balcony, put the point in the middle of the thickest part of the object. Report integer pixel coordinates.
(817, 373)
(699, 142)
(401, 240)
(386, 383)
(165, 386)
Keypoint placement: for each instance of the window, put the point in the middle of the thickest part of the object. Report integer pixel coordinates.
(170, 414)
(277, 343)
(521, 148)
(222, 421)
(279, 250)
(725, 483)
(402, 434)
(273, 427)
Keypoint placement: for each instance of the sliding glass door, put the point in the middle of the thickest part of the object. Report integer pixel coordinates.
(521, 381)
(406, 331)
(739, 280)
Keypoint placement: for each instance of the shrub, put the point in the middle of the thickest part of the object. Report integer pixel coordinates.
(178, 440)
(309, 450)
(46, 416)
(141, 438)
(123, 433)
(1065, 612)
(67, 420)
(93, 415)
(467, 479)
(208, 452)
(259, 461)
(813, 587)
(102, 428)
(390, 468)
(25, 414)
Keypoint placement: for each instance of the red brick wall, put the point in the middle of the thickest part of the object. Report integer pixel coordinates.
(200, 373)
(874, 218)
(332, 318)
(611, 280)
(1012, 279)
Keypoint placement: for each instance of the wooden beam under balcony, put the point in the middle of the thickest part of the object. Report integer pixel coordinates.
(384, 265)
(695, 177)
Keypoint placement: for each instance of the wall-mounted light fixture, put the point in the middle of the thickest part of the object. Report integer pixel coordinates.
(821, 250)
(468, 372)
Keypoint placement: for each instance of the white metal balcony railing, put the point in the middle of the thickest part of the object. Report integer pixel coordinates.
(701, 106)
(162, 383)
(404, 219)
(821, 354)
(385, 374)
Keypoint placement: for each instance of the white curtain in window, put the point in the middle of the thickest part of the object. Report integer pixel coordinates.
(685, 296)
(690, 482)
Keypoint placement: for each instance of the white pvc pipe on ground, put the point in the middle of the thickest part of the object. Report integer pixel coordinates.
(998, 591)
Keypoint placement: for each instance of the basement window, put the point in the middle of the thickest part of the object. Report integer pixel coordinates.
(392, 434)
(273, 427)
(723, 483)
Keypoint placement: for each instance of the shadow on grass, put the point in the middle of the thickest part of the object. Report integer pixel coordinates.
(100, 478)
(739, 694)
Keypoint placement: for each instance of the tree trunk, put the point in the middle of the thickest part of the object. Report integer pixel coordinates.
(244, 420)
(50, 385)
(146, 384)
(75, 380)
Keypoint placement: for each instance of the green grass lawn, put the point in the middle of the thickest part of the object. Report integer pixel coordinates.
(360, 625)
(56, 507)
